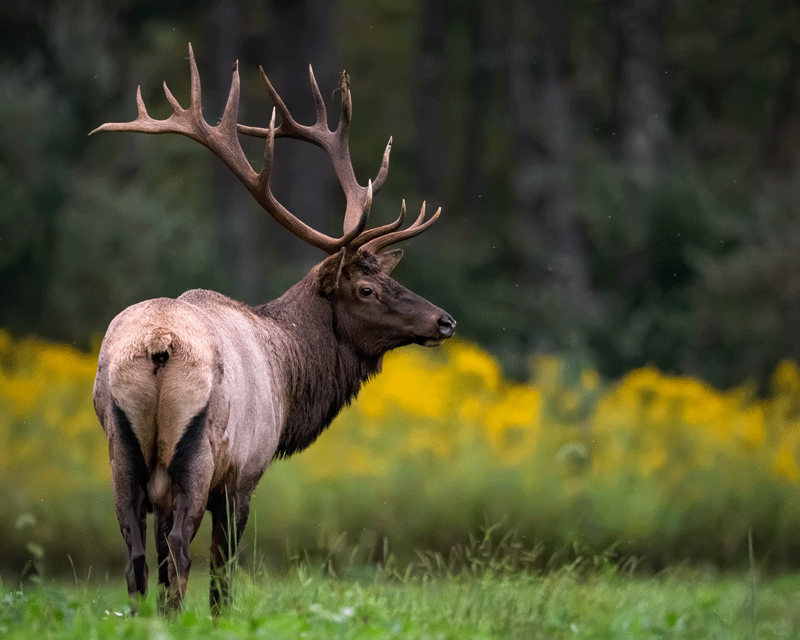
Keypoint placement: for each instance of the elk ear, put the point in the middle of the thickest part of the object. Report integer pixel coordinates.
(388, 260)
(330, 270)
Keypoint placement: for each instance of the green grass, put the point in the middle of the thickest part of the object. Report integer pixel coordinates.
(563, 604)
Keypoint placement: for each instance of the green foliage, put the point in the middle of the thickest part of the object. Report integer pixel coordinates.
(34, 122)
(645, 248)
(173, 249)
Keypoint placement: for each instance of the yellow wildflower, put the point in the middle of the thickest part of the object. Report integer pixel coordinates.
(471, 409)
(469, 360)
(786, 378)
(590, 379)
(547, 371)
(785, 463)
(513, 424)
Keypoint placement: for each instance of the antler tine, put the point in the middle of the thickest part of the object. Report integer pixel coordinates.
(371, 234)
(289, 127)
(195, 105)
(394, 237)
(269, 151)
(230, 114)
(176, 106)
(383, 172)
(343, 129)
(319, 103)
(367, 206)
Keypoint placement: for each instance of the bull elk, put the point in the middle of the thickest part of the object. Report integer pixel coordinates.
(198, 394)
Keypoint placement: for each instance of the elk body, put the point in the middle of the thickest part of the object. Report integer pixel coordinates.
(198, 394)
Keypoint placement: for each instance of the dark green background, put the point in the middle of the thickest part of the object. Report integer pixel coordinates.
(619, 179)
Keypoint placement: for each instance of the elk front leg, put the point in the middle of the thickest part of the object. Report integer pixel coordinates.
(229, 513)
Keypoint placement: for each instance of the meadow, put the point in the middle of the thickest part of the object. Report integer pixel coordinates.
(442, 465)
(449, 501)
(653, 468)
(562, 604)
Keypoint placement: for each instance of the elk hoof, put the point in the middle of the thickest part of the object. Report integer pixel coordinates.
(137, 575)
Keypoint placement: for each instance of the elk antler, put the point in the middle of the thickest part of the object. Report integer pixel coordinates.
(223, 141)
(386, 235)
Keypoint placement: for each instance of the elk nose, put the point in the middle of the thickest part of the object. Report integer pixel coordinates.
(447, 326)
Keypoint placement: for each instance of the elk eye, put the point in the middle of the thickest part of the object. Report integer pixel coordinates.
(365, 291)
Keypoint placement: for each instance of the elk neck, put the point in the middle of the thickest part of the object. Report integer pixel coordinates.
(323, 372)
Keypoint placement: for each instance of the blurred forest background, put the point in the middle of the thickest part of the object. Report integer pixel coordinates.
(619, 179)
(621, 195)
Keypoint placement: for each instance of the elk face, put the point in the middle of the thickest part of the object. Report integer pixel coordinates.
(375, 313)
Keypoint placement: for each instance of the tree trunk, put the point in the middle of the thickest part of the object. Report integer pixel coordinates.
(639, 120)
(429, 108)
(233, 207)
(302, 178)
(782, 135)
(484, 68)
(543, 181)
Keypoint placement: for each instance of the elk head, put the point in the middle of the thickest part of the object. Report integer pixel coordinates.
(373, 312)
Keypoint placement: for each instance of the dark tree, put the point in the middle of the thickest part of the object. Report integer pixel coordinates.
(781, 137)
(299, 35)
(640, 123)
(233, 209)
(430, 99)
(551, 243)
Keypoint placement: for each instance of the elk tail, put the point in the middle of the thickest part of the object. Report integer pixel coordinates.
(159, 348)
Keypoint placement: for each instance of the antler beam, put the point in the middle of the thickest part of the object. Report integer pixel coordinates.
(223, 141)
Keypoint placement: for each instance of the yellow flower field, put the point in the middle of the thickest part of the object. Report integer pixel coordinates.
(441, 437)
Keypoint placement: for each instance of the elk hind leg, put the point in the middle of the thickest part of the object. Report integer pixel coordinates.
(136, 571)
(229, 513)
(131, 504)
(162, 523)
(180, 559)
(190, 473)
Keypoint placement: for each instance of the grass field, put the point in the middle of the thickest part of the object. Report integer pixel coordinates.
(562, 604)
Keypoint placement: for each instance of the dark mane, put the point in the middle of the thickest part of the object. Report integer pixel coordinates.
(323, 373)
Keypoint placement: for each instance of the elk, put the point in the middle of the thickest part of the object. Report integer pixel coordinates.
(198, 394)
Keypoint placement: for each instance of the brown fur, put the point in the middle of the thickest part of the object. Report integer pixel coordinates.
(198, 394)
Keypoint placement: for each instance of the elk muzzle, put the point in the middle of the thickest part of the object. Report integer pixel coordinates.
(446, 327)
